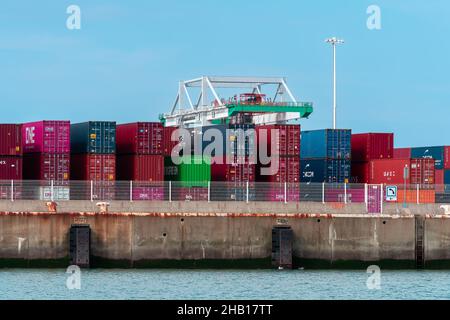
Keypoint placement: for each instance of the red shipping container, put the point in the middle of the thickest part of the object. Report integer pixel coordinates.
(421, 171)
(232, 169)
(46, 166)
(402, 153)
(148, 193)
(447, 157)
(288, 142)
(140, 167)
(94, 167)
(168, 143)
(46, 137)
(139, 138)
(368, 146)
(360, 172)
(288, 170)
(10, 168)
(439, 180)
(190, 194)
(10, 139)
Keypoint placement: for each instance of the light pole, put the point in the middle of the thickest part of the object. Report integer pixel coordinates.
(334, 41)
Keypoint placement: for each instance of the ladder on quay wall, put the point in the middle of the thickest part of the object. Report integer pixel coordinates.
(420, 233)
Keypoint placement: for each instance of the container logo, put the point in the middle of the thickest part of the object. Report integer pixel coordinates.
(29, 135)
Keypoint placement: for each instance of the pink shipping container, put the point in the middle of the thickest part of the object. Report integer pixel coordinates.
(46, 136)
(139, 138)
(402, 153)
(288, 143)
(148, 193)
(140, 167)
(368, 146)
(10, 139)
(10, 168)
(190, 194)
(338, 195)
(46, 166)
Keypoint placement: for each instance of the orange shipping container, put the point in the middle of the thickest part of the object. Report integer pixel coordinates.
(425, 196)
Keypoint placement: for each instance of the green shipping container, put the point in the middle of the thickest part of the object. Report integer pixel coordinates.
(193, 171)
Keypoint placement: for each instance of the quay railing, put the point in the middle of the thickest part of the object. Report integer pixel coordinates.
(370, 194)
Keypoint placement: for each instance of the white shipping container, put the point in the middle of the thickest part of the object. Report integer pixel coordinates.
(59, 193)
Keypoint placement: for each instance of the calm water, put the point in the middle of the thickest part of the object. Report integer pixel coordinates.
(228, 284)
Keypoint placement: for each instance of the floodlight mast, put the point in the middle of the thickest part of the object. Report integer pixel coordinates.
(334, 42)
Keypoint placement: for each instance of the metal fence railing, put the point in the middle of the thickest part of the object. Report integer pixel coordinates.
(13, 190)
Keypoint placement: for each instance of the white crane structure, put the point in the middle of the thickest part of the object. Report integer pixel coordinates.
(209, 107)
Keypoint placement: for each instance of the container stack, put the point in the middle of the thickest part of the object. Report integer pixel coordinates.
(46, 148)
(10, 157)
(140, 159)
(325, 157)
(285, 162)
(367, 147)
(233, 168)
(441, 156)
(190, 177)
(93, 147)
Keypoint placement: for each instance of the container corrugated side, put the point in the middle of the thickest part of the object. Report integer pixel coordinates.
(48, 136)
(436, 153)
(326, 143)
(10, 168)
(93, 167)
(325, 170)
(287, 143)
(47, 166)
(10, 139)
(402, 153)
(233, 169)
(97, 137)
(139, 138)
(140, 167)
(285, 169)
(368, 146)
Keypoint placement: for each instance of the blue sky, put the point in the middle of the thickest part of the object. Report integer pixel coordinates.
(125, 62)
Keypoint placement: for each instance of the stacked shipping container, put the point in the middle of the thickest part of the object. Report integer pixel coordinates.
(46, 148)
(140, 159)
(93, 147)
(367, 147)
(283, 148)
(10, 157)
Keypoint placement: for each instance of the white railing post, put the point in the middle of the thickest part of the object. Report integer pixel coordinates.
(209, 191)
(51, 191)
(381, 202)
(247, 192)
(131, 190)
(285, 192)
(323, 192)
(365, 195)
(345, 193)
(92, 190)
(170, 191)
(418, 194)
(12, 190)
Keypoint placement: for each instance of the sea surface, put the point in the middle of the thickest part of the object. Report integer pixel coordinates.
(54, 284)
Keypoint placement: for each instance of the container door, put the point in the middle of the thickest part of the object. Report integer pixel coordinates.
(374, 198)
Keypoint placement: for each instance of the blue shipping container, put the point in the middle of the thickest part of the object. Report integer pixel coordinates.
(238, 140)
(326, 143)
(325, 170)
(437, 153)
(447, 181)
(93, 137)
